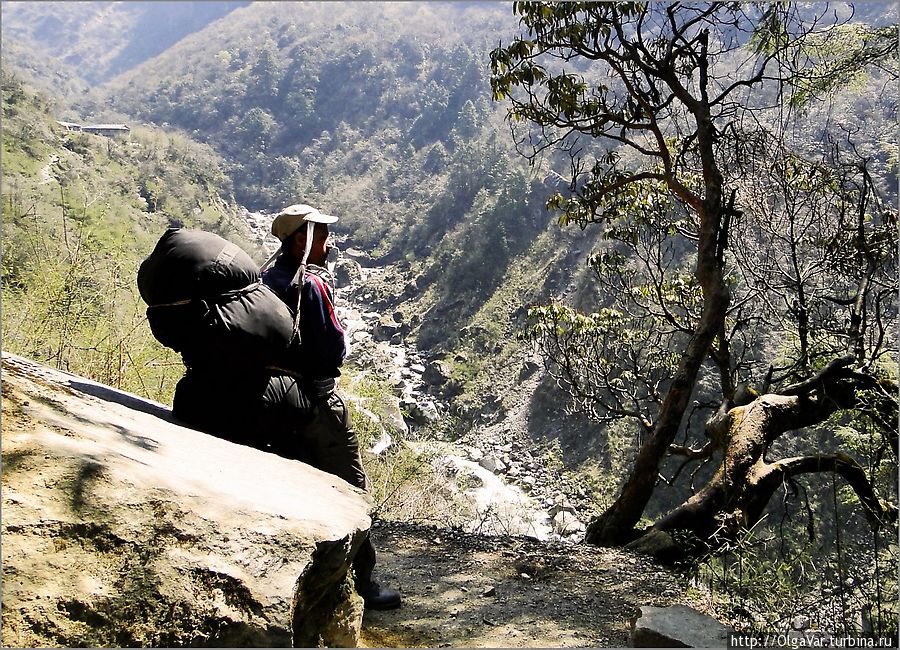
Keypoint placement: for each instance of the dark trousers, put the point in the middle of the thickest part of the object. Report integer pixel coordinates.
(273, 413)
(336, 447)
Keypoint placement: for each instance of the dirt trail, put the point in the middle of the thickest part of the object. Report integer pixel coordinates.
(45, 173)
(463, 590)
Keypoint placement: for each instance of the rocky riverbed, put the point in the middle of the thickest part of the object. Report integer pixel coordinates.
(495, 466)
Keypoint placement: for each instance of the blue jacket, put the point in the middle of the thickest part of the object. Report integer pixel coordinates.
(323, 344)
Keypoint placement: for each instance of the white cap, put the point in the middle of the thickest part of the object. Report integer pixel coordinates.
(292, 217)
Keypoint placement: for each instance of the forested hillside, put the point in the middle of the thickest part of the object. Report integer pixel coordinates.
(80, 212)
(343, 101)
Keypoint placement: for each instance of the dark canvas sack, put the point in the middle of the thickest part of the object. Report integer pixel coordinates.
(205, 300)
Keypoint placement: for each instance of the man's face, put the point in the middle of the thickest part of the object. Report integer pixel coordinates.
(320, 244)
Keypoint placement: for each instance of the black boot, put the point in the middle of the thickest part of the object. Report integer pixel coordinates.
(377, 597)
(373, 594)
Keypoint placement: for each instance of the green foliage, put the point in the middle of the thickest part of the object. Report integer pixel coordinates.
(843, 58)
(582, 337)
(80, 213)
(771, 33)
(628, 100)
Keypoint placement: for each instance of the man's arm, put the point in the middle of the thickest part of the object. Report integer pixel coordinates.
(323, 343)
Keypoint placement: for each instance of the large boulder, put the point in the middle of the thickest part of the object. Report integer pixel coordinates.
(437, 373)
(386, 328)
(421, 411)
(565, 523)
(122, 528)
(347, 272)
(677, 626)
(384, 412)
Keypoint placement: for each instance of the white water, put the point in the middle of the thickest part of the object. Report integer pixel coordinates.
(500, 508)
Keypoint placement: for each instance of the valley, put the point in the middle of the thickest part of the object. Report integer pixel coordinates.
(506, 482)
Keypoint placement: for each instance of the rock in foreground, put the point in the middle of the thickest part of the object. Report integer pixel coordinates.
(121, 528)
(677, 626)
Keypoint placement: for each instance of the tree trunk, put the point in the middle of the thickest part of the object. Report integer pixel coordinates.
(736, 497)
(616, 525)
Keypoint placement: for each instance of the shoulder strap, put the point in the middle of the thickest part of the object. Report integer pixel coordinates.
(300, 278)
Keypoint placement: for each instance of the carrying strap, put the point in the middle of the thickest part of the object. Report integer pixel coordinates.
(271, 259)
(300, 277)
(316, 389)
(279, 370)
(223, 297)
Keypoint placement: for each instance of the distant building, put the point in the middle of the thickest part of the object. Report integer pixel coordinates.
(69, 126)
(106, 129)
(97, 129)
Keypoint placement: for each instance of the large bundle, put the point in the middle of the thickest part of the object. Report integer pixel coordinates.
(205, 300)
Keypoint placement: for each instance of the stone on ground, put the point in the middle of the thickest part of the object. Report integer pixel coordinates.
(676, 626)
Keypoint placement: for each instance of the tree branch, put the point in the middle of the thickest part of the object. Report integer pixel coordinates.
(877, 512)
(693, 454)
(809, 385)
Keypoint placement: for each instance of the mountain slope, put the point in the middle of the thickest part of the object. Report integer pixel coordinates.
(98, 40)
(80, 212)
